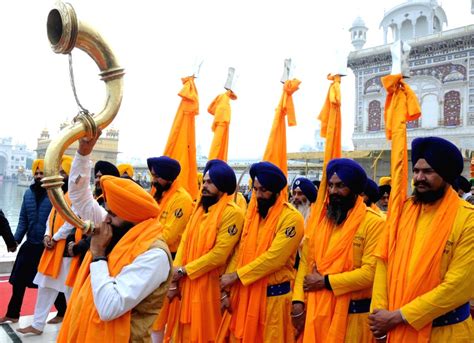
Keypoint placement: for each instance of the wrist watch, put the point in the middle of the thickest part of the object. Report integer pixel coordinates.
(181, 272)
(99, 258)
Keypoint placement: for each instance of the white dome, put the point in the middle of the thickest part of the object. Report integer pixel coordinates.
(358, 22)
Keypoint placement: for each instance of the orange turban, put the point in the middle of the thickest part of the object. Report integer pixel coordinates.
(128, 200)
(125, 167)
(385, 180)
(37, 164)
(66, 163)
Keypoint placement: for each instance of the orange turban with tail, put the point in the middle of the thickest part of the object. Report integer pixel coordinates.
(125, 167)
(66, 163)
(128, 200)
(37, 164)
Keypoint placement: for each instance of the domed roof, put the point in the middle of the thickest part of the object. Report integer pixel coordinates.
(417, 8)
(358, 22)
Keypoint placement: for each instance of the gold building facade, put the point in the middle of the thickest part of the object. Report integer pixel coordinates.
(106, 148)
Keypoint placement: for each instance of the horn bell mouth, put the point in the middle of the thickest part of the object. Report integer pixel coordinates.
(62, 28)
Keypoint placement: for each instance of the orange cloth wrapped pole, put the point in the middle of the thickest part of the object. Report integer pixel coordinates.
(181, 143)
(330, 117)
(220, 109)
(275, 151)
(401, 106)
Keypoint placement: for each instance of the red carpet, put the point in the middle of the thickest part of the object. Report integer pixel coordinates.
(29, 301)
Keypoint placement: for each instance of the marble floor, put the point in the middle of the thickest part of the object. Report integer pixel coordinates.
(8, 332)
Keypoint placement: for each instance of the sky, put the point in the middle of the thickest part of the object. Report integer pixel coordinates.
(159, 42)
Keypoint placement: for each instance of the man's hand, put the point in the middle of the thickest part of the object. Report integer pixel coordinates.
(178, 273)
(382, 321)
(48, 242)
(298, 318)
(173, 291)
(101, 239)
(13, 247)
(70, 250)
(228, 280)
(313, 282)
(225, 302)
(87, 144)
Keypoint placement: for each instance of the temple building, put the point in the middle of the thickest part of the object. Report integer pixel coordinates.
(13, 157)
(105, 149)
(441, 74)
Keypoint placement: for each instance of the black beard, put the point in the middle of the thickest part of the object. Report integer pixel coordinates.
(338, 207)
(160, 190)
(207, 201)
(97, 192)
(117, 233)
(38, 190)
(428, 197)
(265, 204)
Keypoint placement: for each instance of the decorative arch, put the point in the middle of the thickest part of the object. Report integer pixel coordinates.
(375, 116)
(452, 108)
(406, 31)
(421, 26)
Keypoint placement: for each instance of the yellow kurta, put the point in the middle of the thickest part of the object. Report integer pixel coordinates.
(241, 202)
(277, 263)
(175, 216)
(359, 281)
(457, 275)
(228, 235)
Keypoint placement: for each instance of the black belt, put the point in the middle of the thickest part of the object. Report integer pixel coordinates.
(359, 306)
(453, 317)
(280, 289)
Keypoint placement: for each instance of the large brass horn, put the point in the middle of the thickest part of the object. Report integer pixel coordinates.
(65, 32)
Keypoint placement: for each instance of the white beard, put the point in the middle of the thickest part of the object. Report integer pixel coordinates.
(304, 209)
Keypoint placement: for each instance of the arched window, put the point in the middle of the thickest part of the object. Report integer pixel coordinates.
(421, 26)
(406, 31)
(452, 108)
(430, 111)
(375, 115)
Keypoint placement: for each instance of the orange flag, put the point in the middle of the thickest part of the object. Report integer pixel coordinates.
(220, 109)
(181, 143)
(401, 106)
(275, 151)
(330, 117)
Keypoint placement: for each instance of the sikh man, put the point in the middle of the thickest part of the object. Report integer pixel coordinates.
(424, 276)
(384, 193)
(209, 239)
(102, 168)
(371, 195)
(53, 267)
(125, 275)
(175, 202)
(304, 194)
(176, 206)
(463, 187)
(34, 213)
(262, 272)
(337, 267)
(126, 170)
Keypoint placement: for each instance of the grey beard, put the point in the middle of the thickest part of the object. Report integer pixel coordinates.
(304, 209)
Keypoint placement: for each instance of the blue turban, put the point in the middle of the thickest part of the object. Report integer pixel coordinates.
(221, 175)
(164, 167)
(372, 191)
(106, 168)
(442, 155)
(350, 172)
(384, 189)
(307, 187)
(461, 183)
(269, 175)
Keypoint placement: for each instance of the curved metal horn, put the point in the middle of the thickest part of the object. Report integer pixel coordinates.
(65, 32)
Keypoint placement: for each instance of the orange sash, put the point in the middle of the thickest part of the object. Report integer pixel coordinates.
(249, 302)
(397, 248)
(51, 260)
(200, 298)
(82, 322)
(326, 317)
(75, 263)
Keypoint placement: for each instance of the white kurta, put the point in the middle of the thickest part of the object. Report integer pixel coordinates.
(114, 296)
